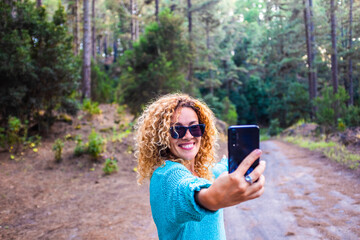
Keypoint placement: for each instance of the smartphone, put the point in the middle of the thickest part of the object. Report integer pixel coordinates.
(242, 140)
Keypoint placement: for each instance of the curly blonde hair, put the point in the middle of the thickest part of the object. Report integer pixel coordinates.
(153, 135)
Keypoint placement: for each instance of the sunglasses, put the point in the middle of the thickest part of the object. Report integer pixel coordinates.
(180, 131)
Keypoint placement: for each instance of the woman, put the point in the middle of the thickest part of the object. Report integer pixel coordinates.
(175, 149)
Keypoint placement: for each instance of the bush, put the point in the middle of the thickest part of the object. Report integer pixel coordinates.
(274, 128)
(57, 148)
(96, 144)
(37, 66)
(352, 117)
(91, 107)
(80, 148)
(102, 89)
(326, 106)
(13, 132)
(229, 114)
(110, 166)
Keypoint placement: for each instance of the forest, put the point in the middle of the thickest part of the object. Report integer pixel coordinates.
(76, 74)
(267, 62)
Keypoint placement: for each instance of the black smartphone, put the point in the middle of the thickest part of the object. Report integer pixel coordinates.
(242, 140)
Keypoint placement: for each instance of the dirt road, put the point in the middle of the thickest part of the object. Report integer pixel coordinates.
(306, 197)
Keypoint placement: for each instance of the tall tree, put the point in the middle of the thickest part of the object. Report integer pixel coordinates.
(93, 31)
(157, 10)
(76, 27)
(313, 50)
(334, 62)
(350, 70)
(310, 46)
(189, 16)
(86, 69)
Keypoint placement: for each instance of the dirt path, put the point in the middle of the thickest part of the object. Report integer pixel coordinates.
(74, 200)
(306, 197)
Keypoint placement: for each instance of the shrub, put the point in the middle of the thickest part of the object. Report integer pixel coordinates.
(352, 117)
(102, 89)
(13, 132)
(38, 68)
(110, 166)
(274, 128)
(91, 107)
(229, 114)
(96, 144)
(57, 148)
(80, 148)
(327, 104)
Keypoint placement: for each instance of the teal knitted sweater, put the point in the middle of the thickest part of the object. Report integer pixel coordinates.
(173, 206)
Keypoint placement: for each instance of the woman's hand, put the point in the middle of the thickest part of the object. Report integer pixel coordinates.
(231, 189)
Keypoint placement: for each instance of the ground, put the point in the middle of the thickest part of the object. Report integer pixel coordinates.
(73, 199)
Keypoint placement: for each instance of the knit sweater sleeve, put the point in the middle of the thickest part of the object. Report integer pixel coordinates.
(220, 167)
(179, 187)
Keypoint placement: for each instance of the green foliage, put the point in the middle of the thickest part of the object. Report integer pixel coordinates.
(80, 149)
(91, 107)
(326, 106)
(341, 125)
(340, 154)
(157, 63)
(58, 148)
(13, 132)
(102, 87)
(15, 135)
(37, 66)
(274, 128)
(110, 166)
(214, 103)
(352, 116)
(264, 134)
(229, 114)
(2, 137)
(96, 144)
(309, 144)
(332, 150)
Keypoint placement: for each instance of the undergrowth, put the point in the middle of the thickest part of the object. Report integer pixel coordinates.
(331, 150)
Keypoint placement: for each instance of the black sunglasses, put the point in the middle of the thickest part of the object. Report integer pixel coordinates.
(180, 131)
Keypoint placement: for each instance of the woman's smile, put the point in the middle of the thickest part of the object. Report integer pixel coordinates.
(188, 146)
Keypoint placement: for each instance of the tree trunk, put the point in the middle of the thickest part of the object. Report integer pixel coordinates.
(157, 10)
(190, 72)
(207, 29)
(76, 28)
(334, 63)
(351, 84)
(115, 49)
(313, 52)
(308, 46)
(105, 46)
(93, 31)
(38, 3)
(86, 78)
(132, 23)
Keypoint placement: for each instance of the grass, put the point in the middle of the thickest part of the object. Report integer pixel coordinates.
(264, 134)
(331, 150)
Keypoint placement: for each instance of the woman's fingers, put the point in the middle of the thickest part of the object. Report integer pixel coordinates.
(247, 162)
(257, 189)
(258, 171)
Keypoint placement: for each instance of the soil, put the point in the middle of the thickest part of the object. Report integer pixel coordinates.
(306, 194)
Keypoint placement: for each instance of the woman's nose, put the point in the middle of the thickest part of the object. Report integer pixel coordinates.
(188, 134)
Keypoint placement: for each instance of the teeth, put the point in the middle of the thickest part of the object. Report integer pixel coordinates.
(187, 146)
